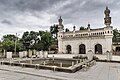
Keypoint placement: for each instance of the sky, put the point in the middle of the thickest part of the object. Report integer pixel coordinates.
(18, 16)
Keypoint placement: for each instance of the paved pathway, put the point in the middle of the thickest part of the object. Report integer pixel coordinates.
(101, 57)
(100, 71)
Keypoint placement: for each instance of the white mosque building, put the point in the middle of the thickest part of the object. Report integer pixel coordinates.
(98, 40)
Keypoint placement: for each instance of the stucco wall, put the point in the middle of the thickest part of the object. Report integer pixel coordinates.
(89, 40)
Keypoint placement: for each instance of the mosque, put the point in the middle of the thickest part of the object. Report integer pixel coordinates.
(98, 40)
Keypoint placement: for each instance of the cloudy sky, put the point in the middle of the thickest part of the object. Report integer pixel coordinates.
(18, 16)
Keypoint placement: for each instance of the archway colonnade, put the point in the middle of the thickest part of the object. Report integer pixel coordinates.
(82, 49)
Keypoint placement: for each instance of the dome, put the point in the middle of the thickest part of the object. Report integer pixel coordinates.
(107, 11)
(60, 19)
(88, 25)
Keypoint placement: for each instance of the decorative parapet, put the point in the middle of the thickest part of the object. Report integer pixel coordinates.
(85, 33)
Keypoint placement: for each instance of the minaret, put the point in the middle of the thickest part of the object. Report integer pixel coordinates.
(60, 26)
(88, 27)
(107, 19)
(73, 28)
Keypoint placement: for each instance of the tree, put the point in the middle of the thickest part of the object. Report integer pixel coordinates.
(0, 46)
(116, 35)
(25, 40)
(67, 30)
(29, 39)
(36, 40)
(46, 39)
(8, 45)
(8, 42)
(10, 37)
(54, 30)
(82, 28)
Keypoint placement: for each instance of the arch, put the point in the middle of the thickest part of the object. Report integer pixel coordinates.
(90, 55)
(117, 49)
(68, 49)
(82, 49)
(98, 49)
(103, 32)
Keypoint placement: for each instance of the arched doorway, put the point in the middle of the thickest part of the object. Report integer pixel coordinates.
(82, 49)
(98, 49)
(117, 50)
(68, 48)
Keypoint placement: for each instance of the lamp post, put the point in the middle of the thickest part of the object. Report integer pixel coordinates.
(15, 45)
(16, 41)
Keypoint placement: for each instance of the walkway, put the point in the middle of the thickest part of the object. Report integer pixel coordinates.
(100, 71)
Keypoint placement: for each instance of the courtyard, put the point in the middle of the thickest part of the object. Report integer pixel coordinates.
(59, 40)
(100, 71)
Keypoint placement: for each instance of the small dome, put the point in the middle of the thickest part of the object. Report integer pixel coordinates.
(107, 11)
(60, 19)
(73, 26)
(88, 25)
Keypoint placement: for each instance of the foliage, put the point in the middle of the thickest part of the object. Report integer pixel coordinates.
(36, 40)
(9, 37)
(54, 30)
(82, 28)
(8, 43)
(67, 30)
(116, 35)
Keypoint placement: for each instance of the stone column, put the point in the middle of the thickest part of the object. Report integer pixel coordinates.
(45, 54)
(34, 52)
(25, 53)
(30, 53)
(21, 55)
(9, 55)
(41, 54)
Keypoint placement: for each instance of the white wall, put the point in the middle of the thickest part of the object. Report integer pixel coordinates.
(67, 38)
(88, 42)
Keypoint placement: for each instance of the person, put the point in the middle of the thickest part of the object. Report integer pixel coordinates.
(96, 52)
(53, 59)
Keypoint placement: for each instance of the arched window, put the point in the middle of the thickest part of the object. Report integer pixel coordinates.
(82, 49)
(99, 33)
(98, 49)
(68, 49)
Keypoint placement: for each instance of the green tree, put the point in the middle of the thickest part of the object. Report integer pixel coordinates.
(29, 39)
(116, 35)
(8, 45)
(25, 40)
(46, 39)
(8, 42)
(36, 40)
(82, 28)
(67, 30)
(54, 30)
(10, 37)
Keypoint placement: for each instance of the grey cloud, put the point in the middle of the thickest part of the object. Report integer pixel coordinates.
(83, 11)
(5, 21)
(77, 12)
(28, 5)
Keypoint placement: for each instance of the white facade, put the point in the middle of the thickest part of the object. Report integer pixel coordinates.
(90, 39)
